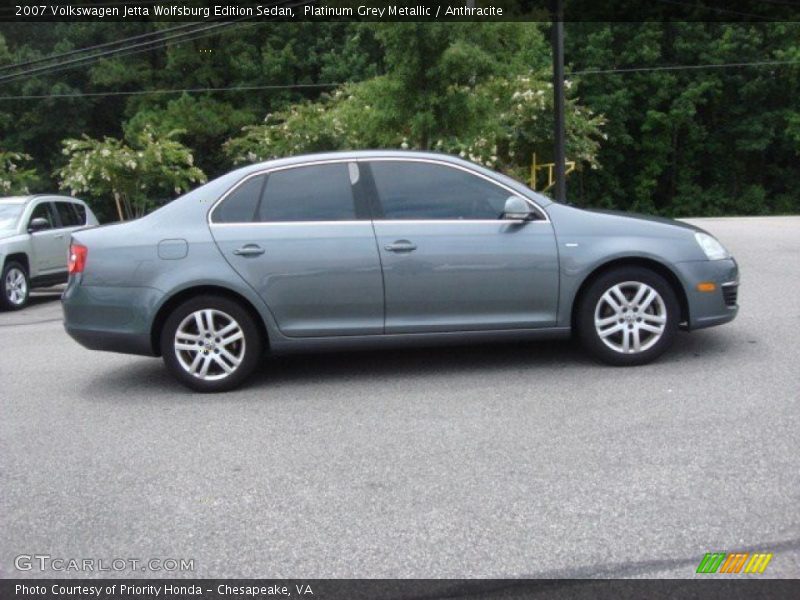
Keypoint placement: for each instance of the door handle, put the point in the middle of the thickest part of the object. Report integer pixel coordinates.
(249, 250)
(60, 236)
(400, 246)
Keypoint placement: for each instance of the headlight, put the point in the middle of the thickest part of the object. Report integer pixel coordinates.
(713, 249)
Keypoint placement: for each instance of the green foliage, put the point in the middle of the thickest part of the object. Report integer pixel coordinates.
(133, 175)
(14, 178)
(692, 141)
(454, 92)
(684, 142)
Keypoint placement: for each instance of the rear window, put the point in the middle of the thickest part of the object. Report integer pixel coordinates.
(311, 193)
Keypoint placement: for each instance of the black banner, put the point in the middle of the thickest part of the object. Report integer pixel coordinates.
(395, 589)
(401, 10)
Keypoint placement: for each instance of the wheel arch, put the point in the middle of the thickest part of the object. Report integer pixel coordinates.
(21, 258)
(185, 294)
(634, 261)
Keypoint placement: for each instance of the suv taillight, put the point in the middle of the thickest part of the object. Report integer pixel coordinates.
(77, 258)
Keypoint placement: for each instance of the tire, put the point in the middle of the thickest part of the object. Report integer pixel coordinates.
(610, 328)
(197, 354)
(16, 286)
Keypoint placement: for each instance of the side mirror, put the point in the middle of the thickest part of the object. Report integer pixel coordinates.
(517, 209)
(38, 224)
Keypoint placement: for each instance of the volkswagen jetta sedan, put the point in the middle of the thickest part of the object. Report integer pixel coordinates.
(365, 249)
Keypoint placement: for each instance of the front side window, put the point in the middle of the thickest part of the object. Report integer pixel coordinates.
(425, 191)
(42, 211)
(312, 193)
(67, 214)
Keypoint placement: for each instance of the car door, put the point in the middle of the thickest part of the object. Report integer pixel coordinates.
(450, 263)
(70, 220)
(47, 245)
(300, 239)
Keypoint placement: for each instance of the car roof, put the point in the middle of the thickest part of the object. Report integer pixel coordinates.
(26, 199)
(399, 154)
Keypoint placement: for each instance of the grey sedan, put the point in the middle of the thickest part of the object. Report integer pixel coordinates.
(383, 248)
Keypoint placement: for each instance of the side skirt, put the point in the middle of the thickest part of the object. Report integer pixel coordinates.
(284, 345)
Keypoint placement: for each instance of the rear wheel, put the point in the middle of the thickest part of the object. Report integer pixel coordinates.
(16, 286)
(211, 344)
(628, 316)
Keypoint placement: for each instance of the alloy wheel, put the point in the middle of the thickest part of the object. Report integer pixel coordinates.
(16, 286)
(630, 317)
(209, 344)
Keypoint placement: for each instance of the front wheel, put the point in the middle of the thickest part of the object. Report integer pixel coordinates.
(628, 316)
(211, 344)
(16, 286)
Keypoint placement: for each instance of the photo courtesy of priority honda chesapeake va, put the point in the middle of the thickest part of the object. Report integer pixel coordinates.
(381, 248)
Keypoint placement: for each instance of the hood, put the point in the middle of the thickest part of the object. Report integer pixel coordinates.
(8, 233)
(642, 217)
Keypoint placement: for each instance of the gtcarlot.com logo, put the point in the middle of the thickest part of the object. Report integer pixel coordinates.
(46, 562)
(734, 562)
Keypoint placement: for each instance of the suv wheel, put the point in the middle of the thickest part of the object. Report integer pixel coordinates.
(16, 286)
(211, 344)
(628, 316)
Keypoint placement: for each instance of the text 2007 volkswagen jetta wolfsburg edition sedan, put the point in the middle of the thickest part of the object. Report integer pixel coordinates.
(352, 250)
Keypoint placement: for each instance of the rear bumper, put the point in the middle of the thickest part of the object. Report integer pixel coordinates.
(707, 309)
(116, 319)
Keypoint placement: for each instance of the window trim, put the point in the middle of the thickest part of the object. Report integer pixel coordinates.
(266, 173)
(545, 219)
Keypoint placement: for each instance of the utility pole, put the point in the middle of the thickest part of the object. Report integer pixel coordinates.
(560, 159)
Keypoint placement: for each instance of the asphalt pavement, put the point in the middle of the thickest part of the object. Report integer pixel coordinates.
(515, 460)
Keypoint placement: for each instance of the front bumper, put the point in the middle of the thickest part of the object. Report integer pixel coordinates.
(116, 319)
(707, 309)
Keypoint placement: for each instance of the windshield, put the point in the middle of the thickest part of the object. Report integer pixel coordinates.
(9, 213)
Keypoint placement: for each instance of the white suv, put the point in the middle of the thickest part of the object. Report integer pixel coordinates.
(34, 242)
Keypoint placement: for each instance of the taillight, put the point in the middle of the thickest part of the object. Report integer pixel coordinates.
(77, 258)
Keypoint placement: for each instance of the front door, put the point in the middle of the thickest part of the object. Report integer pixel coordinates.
(299, 238)
(450, 263)
(49, 253)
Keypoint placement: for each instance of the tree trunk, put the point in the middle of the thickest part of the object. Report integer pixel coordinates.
(119, 206)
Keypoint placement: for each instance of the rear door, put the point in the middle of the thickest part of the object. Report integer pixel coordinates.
(298, 236)
(450, 263)
(71, 219)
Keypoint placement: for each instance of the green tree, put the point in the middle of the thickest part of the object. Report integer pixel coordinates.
(138, 176)
(456, 89)
(14, 177)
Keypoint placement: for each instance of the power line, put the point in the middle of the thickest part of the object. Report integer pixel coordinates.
(329, 85)
(54, 57)
(176, 91)
(132, 49)
(76, 62)
(764, 63)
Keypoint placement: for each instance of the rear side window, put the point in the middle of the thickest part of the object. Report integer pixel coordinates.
(81, 210)
(68, 215)
(312, 193)
(425, 191)
(242, 203)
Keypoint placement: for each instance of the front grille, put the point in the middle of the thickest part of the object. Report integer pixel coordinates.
(730, 293)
